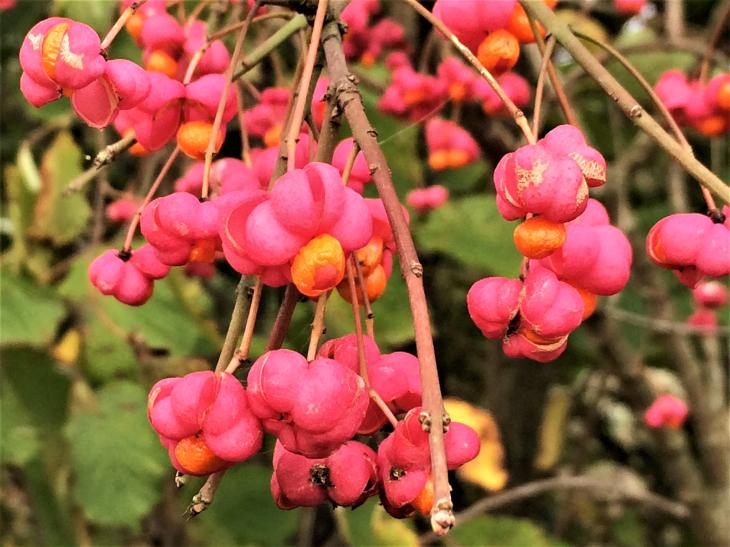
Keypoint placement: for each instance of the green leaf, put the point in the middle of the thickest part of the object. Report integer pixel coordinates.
(95, 14)
(468, 178)
(117, 460)
(57, 217)
(34, 402)
(492, 531)
(471, 231)
(30, 313)
(21, 201)
(244, 513)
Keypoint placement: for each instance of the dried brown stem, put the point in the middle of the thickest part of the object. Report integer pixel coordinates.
(623, 98)
(350, 102)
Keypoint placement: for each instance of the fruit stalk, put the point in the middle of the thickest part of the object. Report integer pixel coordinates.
(349, 99)
(224, 96)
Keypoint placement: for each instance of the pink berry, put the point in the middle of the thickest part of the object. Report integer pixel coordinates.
(666, 411)
(346, 477)
(210, 408)
(710, 294)
(312, 407)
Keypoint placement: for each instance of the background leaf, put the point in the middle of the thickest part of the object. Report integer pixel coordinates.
(57, 217)
(30, 313)
(117, 458)
(472, 231)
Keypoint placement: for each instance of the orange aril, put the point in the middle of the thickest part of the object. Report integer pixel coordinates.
(537, 338)
(194, 455)
(457, 91)
(134, 26)
(712, 126)
(369, 256)
(589, 302)
(273, 135)
(375, 284)
(318, 266)
(519, 26)
(458, 158)
(161, 61)
(203, 251)
(439, 160)
(51, 48)
(538, 237)
(423, 503)
(413, 96)
(193, 137)
(367, 59)
(723, 96)
(499, 51)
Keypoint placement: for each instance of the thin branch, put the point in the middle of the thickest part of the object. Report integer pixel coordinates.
(665, 326)
(350, 101)
(318, 327)
(241, 356)
(235, 326)
(623, 98)
(300, 104)
(283, 318)
(715, 37)
(602, 489)
(103, 158)
(540, 87)
(255, 56)
(119, 24)
(678, 134)
(362, 363)
(557, 84)
(150, 194)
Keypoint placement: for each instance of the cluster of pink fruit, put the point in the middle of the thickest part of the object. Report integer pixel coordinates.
(413, 95)
(572, 252)
(703, 106)
(208, 422)
(301, 232)
(62, 57)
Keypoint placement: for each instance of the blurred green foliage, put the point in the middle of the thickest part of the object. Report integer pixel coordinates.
(76, 366)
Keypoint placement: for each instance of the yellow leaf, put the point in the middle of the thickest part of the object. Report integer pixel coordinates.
(487, 469)
(390, 532)
(67, 350)
(551, 429)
